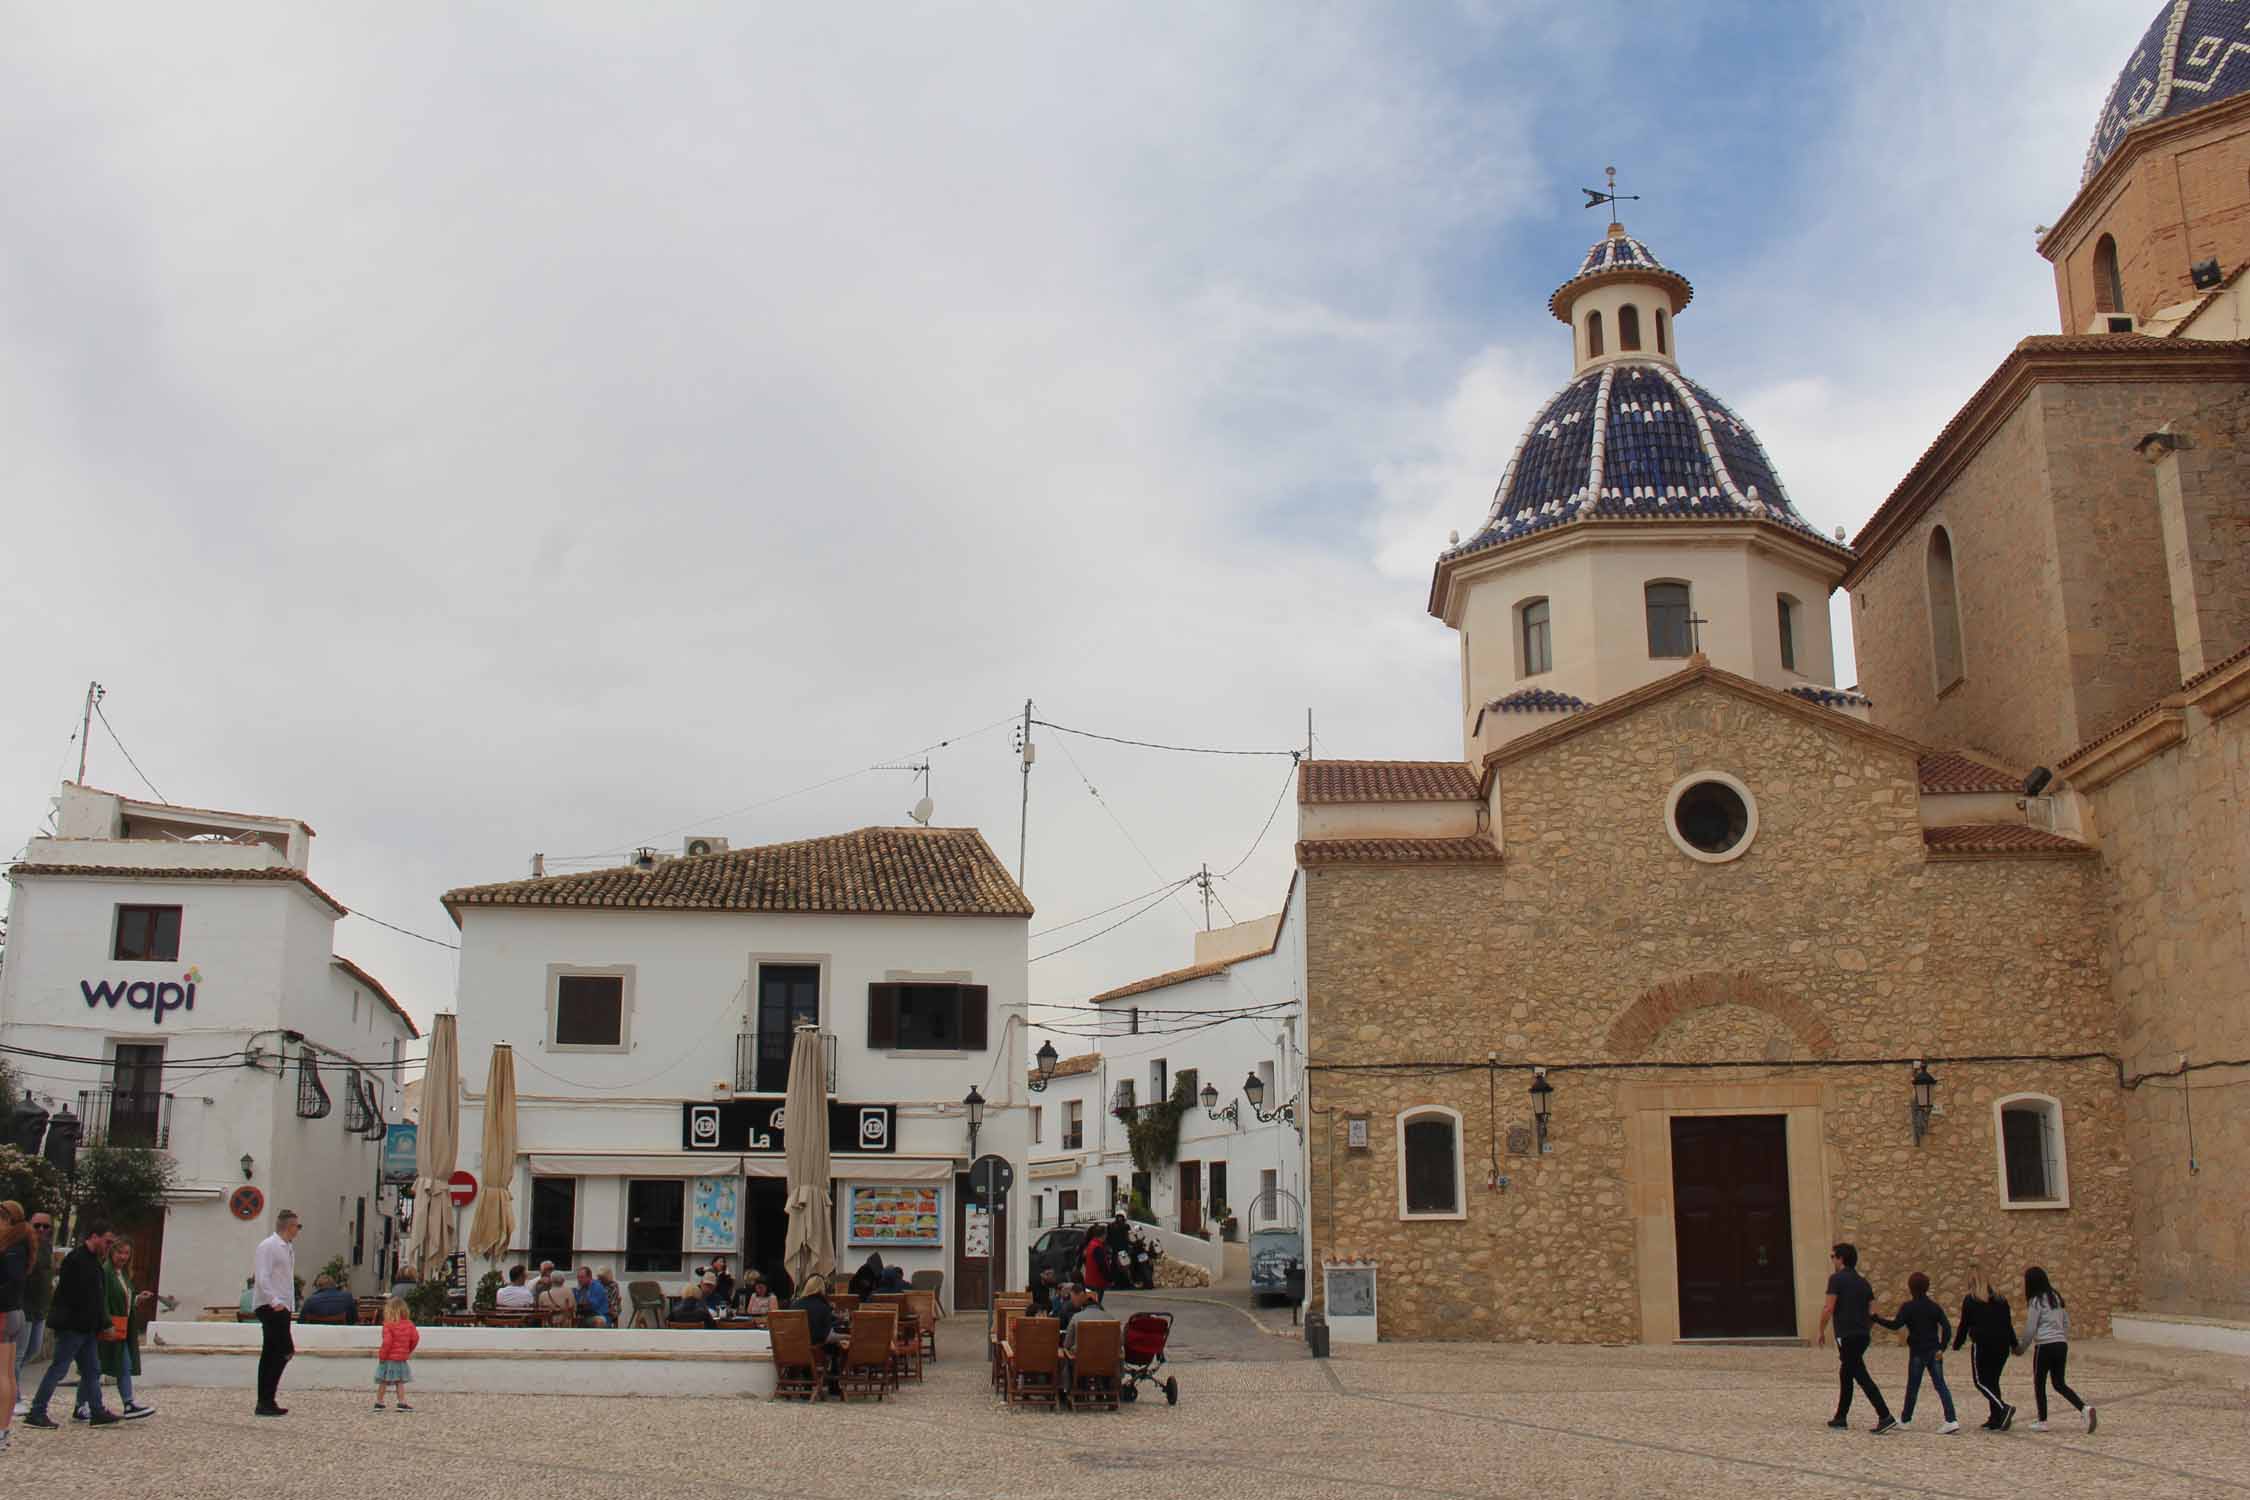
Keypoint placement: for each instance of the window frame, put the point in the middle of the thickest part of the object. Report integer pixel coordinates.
(1594, 334)
(883, 1034)
(678, 1253)
(2109, 278)
(1788, 608)
(1530, 663)
(1063, 1210)
(535, 1251)
(1407, 1117)
(1734, 784)
(556, 973)
(155, 930)
(1074, 1125)
(1648, 619)
(759, 963)
(1663, 333)
(2058, 1160)
(1945, 611)
(1628, 329)
(1037, 1119)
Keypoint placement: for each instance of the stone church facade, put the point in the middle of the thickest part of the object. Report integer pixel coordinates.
(1696, 962)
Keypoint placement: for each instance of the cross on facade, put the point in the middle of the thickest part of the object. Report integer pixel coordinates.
(1695, 624)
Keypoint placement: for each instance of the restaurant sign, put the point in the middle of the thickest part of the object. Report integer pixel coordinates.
(756, 1126)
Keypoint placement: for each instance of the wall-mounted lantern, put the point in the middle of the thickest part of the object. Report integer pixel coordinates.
(1232, 1114)
(1254, 1089)
(1046, 1057)
(974, 1104)
(1542, 1101)
(1925, 1100)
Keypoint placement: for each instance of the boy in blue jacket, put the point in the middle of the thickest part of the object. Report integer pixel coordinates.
(1927, 1329)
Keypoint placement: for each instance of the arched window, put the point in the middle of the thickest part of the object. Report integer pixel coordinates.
(1668, 619)
(2109, 289)
(1593, 334)
(1430, 1184)
(1663, 333)
(1786, 607)
(1628, 327)
(1538, 638)
(2034, 1167)
(1945, 611)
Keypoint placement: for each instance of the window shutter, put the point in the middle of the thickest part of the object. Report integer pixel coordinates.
(973, 998)
(882, 1015)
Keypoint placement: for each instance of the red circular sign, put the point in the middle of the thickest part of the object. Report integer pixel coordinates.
(462, 1188)
(247, 1202)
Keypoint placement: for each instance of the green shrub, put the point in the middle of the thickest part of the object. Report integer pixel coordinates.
(31, 1181)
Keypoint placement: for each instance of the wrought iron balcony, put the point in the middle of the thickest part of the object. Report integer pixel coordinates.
(775, 1074)
(126, 1117)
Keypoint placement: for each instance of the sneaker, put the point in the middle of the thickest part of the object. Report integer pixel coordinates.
(402, 1406)
(103, 1419)
(1888, 1424)
(2038, 1427)
(379, 1406)
(134, 1411)
(2091, 1419)
(1906, 1421)
(271, 1411)
(79, 1415)
(2007, 1418)
(1838, 1424)
(1950, 1428)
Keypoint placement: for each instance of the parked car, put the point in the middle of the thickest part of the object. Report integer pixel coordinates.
(1061, 1250)
(1277, 1264)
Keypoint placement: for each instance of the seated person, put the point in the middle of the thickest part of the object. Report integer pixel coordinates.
(556, 1301)
(708, 1294)
(1063, 1305)
(868, 1278)
(689, 1307)
(761, 1299)
(893, 1279)
(717, 1274)
(327, 1300)
(1087, 1309)
(406, 1285)
(593, 1301)
(517, 1295)
(820, 1318)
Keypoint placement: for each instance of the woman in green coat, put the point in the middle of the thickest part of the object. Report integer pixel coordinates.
(121, 1359)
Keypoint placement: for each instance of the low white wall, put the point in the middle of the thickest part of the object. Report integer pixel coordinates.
(521, 1361)
(2172, 1332)
(1193, 1249)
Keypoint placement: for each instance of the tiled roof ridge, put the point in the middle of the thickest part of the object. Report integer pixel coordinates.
(1814, 693)
(1171, 977)
(171, 872)
(2054, 356)
(1999, 839)
(381, 992)
(1070, 1067)
(1471, 849)
(1347, 781)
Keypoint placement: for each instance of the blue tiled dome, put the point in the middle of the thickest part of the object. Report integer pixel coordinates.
(1635, 440)
(2194, 53)
(1617, 254)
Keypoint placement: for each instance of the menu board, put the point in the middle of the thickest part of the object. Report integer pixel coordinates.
(895, 1215)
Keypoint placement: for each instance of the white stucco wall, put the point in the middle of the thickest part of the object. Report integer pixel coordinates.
(1421, 820)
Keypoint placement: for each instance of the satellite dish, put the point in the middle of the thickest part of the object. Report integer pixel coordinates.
(922, 811)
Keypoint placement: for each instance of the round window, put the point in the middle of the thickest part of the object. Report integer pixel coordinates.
(1711, 817)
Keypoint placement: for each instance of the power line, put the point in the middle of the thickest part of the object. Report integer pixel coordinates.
(1153, 745)
(1105, 911)
(1120, 822)
(120, 744)
(1287, 782)
(1167, 893)
(379, 922)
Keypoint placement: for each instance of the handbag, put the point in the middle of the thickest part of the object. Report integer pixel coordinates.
(115, 1333)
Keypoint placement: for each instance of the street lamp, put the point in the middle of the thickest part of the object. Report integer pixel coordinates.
(1542, 1100)
(1925, 1100)
(974, 1104)
(1210, 1097)
(1046, 1057)
(1254, 1089)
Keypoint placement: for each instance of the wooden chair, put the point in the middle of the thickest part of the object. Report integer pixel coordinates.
(867, 1361)
(843, 1304)
(924, 1305)
(1033, 1352)
(648, 1304)
(1005, 1322)
(906, 1349)
(798, 1369)
(371, 1309)
(1096, 1365)
(512, 1318)
(331, 1318)
(932, 1282)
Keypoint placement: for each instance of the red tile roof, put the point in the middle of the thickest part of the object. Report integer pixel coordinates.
(1953, 771)
(1171, 977)
(1321, 781)
(1070, 1067)
(381, 994)
(152, 872)
(1476, 850)
(1999, 838)
(912, 871)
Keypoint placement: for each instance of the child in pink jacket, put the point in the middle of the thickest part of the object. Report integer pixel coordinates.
(400, 1337)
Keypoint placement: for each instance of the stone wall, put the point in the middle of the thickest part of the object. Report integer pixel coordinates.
(2182, 200)
(2064, 589)
(2175, 835)
(1833, 938)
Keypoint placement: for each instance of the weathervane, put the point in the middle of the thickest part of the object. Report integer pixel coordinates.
(1595, 198)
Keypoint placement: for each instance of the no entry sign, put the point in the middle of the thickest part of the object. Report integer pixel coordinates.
(462, 1188)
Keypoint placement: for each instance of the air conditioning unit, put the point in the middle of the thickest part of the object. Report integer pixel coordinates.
(2113, 322)
(705, 843)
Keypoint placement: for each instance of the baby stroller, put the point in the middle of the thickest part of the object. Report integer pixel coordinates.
(1145, 1336)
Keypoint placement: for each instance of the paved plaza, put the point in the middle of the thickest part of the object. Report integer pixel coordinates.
(1256, 1417)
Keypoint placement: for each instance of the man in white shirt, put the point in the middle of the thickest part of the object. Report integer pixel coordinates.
(517, 1295)
(275, 1296)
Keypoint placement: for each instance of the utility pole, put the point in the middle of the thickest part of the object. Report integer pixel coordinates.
(1204, 881)
(94, 695)
(1027, 753)
(1308, 734)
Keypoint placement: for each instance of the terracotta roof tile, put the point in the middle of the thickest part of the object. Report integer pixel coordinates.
(1385, 781)
(1070, 1067)
(151, 872)
(1951, 771)
(919, 871)
(1170, 977)
(381, 994)
(1475, 850)
(1830, 697)
(1999, 838)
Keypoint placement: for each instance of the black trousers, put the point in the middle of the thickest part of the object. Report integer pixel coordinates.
(279, 1349)
(2048, 1362)
(1989, 1360)
(1851, 1356)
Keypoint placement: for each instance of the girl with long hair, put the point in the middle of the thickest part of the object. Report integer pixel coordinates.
(121, 1352)
(2046, 1333)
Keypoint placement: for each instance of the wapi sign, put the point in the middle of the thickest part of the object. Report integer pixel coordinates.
(158, 997)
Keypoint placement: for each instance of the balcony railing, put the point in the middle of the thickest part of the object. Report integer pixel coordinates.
(126, 1117)
(777, 1076)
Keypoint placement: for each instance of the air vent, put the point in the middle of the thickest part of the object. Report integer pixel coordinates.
(2113, 322)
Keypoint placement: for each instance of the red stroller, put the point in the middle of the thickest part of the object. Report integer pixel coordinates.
(1145, 1336)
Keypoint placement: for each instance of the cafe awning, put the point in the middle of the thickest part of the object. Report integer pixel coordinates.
(715, 1164)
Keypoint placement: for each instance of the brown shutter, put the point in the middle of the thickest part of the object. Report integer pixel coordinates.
(882, 1015)
(972, 1017)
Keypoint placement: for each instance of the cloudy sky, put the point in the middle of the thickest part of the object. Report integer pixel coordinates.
(480, 430)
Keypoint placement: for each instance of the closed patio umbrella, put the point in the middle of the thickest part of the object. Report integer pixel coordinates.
(436, 1148)
(811, 1244)
(495, 1222)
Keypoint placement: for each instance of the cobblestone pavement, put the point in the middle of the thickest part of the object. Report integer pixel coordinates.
(1395, 1420)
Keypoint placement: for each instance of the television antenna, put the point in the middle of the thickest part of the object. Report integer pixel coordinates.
(924, 808)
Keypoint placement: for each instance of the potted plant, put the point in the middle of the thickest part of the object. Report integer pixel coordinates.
(488, 1291)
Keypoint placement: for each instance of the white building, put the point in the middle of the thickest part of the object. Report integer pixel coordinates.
(173, 969)
(651, 1009)
(1235, 1014)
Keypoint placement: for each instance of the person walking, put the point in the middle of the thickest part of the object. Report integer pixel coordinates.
(1927, 1329)
(2046, 1333)
(276, 1299)
(15, 1265)
(392, 1356)
(38, 1293)
(1094, 1266)
(79, 1315)
(1850, 1304)
(1989, 1328)
(128, 1315)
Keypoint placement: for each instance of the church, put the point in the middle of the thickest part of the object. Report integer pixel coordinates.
(1697, 962)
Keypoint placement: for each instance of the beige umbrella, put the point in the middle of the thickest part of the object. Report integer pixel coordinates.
(495, 1222)
(811, 1245)
(436, 1148)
